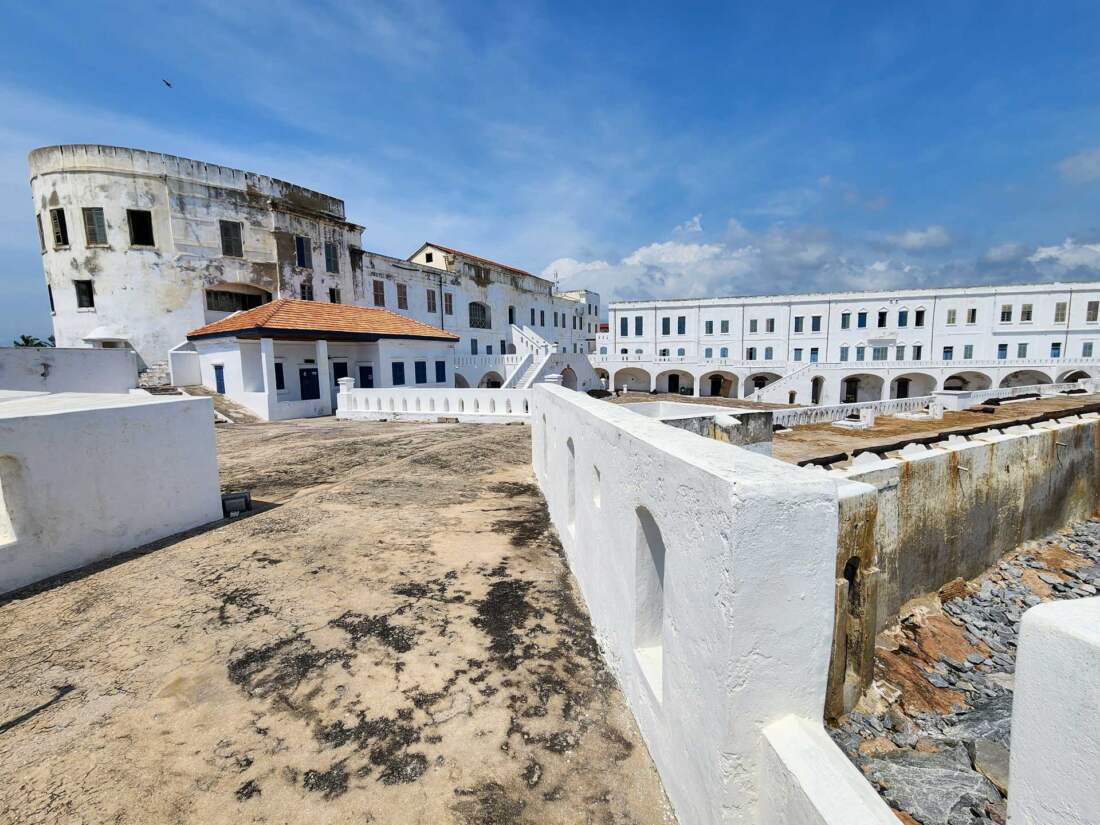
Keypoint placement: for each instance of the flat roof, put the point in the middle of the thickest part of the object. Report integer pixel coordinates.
(15, 404)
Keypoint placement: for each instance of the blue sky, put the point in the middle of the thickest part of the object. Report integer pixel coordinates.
(641, 150)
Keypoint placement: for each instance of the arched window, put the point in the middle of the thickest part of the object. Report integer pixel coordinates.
(708, 353)
(724, 352)
(479, 315)
(603, 350)
(649, 608)
(622, 351)
(680, 351)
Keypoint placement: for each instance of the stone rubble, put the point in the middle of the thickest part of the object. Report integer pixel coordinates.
(951, 768)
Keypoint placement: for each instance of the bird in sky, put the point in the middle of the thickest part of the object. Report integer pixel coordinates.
(166, 83)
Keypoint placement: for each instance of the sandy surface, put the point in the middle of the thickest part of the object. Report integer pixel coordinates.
(395, 640)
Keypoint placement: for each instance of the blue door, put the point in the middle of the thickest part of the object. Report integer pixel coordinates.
(219, 378)
(366, 377)
(311, 387)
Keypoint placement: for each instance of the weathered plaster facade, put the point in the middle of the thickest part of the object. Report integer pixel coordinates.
(148, 295)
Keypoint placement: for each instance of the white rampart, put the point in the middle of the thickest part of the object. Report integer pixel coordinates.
(84, 477)
(1055, 753)
(53, 369)
(708, 573)
(962, 399)
(431, 404)
(835, 412)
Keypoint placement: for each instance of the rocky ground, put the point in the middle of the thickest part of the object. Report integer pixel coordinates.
(933, 733)
(392, 637)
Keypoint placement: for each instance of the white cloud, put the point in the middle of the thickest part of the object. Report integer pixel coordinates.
(1082, 167)
(693, 225)
(1067, 256)
(564, 269)
(672, 253)
(1005, 253)
(920, 240)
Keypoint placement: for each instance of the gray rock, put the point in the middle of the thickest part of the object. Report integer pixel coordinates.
(990, 759)
(991, 719)
(935, 788)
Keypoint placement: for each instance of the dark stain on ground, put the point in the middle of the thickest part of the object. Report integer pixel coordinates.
(330, 784)
(386, 743)
(241, 605)
(515, 489)
(502, 614)
(281, 666)
(532, 773)
(361, 627)
(488, 804)
(248, 790)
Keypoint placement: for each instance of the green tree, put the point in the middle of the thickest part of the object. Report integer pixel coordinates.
(32, 341)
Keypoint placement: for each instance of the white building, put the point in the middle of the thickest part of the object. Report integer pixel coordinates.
(854, 346)
(284, 359)
(139, 248)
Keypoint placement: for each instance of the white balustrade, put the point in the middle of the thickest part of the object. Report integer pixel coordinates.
(431, 403)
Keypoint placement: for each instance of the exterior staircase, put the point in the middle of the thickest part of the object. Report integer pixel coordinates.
(155, 375)
(767, 393)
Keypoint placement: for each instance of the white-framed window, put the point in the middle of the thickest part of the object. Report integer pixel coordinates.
(724, 352)
(750, 354)
(972, 316)
(768, 352)
(1086, 349)
(951, 317)
(968, 352)
(1092, 312)
(1021, 350)
(798, 353)
(844, 353)
(95, 227)
(880, 353)
(752, 325)
(708, 353)
(899, 352)
(1060, 312)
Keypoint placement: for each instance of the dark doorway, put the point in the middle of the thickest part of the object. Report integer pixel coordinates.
(366, 377)
(339, 370)
(716, 385)
(674, 384)
(851, 390)
(903, 388)
(311, 387)
(219, 378)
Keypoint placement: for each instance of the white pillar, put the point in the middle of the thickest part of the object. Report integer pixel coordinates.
(343, 397)
(324, 377)
(1056, 716)
(267, 364)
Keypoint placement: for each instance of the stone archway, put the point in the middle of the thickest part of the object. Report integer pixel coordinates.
(677, 382)
(759, 380)
(491, 380)
(1025, 378)
(967, 380)
(461, 382)
(912, 385)
(632, 378)
(569, 378)
(859, 387)
(719, 384)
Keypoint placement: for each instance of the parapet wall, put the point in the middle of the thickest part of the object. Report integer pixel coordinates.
(708, 573)
(54, 369)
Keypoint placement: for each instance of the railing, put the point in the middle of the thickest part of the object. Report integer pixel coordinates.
(958, 365)
(488, 360)
(799, 416)
(516, 376)
(781, 382)
(961, 399)
(527, 340)
(428, 403)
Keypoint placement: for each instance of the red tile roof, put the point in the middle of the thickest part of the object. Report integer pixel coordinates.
(310, 320)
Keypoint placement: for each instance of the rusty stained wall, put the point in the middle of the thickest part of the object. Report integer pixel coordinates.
(929, 516)
(954, 510)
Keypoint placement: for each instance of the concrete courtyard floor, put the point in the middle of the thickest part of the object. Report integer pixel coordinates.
(392, 638)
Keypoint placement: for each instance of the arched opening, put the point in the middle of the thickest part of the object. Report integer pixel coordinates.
(461, 382)
(1025, 378)
(479, 315)
(860, 387)
(632, 378)
(491, 380)
(649, 599)
(1074, 375)
(759, 380)
(912, 385)
(569, 378)
(11, 498)
(719, 385)
(571, 486)
(967, 381)
(676, 382)
(817, 387)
